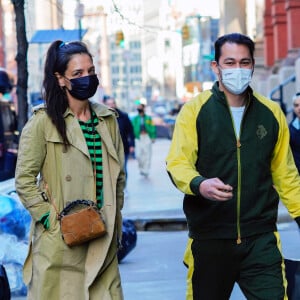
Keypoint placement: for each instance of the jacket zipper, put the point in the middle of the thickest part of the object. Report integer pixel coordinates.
(239, 238)
(238, 213)
(238, 204)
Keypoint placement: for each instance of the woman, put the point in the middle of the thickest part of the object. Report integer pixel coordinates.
(60, 146)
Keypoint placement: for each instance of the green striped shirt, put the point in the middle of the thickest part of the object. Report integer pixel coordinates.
(94, 144)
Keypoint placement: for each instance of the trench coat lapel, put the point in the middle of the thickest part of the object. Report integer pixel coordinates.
(106, 139)
(76, 136)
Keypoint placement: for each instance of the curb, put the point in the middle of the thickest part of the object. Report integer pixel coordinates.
(166, 220)
(284, 218)
(158, 224)
(158, 221)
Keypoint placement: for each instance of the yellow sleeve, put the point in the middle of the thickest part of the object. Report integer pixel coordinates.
(284, 172)
(183, 151)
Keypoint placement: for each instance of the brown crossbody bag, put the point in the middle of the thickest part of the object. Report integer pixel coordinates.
(81, 220)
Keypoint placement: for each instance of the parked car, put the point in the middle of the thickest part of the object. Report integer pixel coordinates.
(162, 130)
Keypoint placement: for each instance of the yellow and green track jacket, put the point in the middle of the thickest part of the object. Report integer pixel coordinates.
(258, 165)
(149, 126)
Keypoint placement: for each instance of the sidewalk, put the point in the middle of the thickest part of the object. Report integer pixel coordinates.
(153, 200)
(154, 203)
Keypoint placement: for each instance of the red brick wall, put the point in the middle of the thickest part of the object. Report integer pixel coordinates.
(268, 34)
(293, 24)
(281, 29)
(279, 22)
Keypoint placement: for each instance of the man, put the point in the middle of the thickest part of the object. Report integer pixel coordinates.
(145, 134)
(125, 127)
(230, 156)
(295, 131)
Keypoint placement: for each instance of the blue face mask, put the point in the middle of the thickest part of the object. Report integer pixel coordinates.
(236, 80)
(84, 87)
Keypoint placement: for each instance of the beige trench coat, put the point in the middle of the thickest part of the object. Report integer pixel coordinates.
(52, 270)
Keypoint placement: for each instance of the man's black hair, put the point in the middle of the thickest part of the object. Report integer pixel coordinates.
(235, 38)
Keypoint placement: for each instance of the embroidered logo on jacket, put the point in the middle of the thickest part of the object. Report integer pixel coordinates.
(261, 132)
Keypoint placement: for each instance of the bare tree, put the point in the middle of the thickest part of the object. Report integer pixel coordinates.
(21, 58)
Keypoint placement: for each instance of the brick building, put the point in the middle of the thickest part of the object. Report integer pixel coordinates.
(281, 31)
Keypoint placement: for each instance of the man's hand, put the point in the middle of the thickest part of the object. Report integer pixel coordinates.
(214, 189)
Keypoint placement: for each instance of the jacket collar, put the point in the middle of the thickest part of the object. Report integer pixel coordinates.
(100, 110)
(221, 95)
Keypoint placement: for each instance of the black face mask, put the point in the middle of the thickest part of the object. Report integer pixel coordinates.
(84, 87)
(140, 110)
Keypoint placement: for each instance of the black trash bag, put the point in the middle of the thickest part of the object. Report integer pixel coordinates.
(4, 285)
(292, 269)
(129, 238)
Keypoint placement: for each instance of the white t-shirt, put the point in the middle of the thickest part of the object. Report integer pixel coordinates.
(237, 114)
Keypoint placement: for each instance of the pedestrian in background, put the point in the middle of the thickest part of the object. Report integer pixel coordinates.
(73, 149)
(145, 134)
(230, 147)
(125, 126)
(294, 127)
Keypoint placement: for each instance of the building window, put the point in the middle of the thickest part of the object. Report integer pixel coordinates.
(115, 82)
(135, 45)
(115, 70)
(135, 69)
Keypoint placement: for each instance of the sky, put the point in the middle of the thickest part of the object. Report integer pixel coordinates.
(202, 7)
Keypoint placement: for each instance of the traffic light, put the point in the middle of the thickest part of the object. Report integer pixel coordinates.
(120, 38)
(185, 31)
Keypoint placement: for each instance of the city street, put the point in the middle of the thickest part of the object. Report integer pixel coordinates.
(154, 269)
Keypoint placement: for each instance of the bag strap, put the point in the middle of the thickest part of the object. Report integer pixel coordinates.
(94, 169)
(72, 204)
